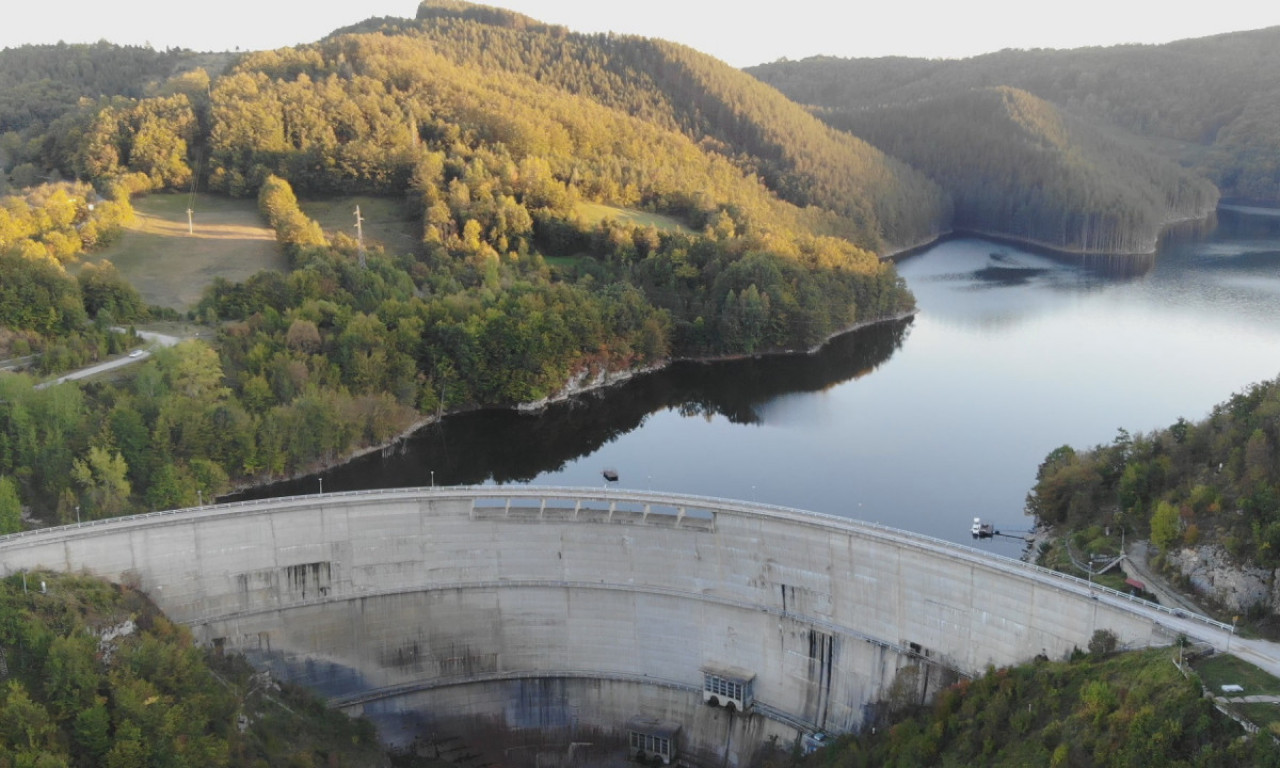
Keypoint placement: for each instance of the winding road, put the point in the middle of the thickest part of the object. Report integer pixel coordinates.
(136, 356)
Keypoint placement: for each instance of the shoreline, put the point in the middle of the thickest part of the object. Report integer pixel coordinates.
(1043, 248)
(904, 251)
(1034, 246)
(585, 382)
(597, 382)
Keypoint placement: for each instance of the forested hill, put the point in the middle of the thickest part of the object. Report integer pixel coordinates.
(585, 205)
(1211, 103)
(1016, 165)
(39, 83)
(1216, 481)
(882, 202)
(95, 675)
(877, 202)
(1097, 710)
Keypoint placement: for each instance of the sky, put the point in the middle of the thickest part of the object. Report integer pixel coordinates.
(742, 33)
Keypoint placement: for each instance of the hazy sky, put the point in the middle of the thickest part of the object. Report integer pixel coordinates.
(741, 32)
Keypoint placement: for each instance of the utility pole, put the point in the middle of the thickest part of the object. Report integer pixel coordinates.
(190, 222)
(360, 236)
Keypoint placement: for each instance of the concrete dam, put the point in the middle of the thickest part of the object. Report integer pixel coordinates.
(532, 625)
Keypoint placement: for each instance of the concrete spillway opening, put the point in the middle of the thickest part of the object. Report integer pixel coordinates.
(530, 625)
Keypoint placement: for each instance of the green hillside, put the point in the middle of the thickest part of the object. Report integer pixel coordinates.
(1124, 710)
(676, 229)
(1204, 102)
(40, 83)
(1014, 164)
(723, 110)
(1213, 481)
(95, 675)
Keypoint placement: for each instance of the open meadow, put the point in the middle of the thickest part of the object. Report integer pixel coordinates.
(1222, 669)
(594, 213)
(385, 222)
(171, 267)
(591, 214)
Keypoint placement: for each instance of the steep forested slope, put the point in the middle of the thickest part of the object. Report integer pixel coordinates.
(95, 675)
(1130, 709)
(1014, 164)
(497, 127)
(516, 288)
(715, 105)
(39, 83)
(1217, 480)
(496, 162)
(1205, 100)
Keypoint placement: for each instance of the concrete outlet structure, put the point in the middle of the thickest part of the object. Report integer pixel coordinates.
(538, 621)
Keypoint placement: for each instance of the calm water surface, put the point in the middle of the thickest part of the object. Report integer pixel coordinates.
(922, 424)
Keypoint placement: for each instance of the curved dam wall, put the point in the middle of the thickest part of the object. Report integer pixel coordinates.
(567, 612)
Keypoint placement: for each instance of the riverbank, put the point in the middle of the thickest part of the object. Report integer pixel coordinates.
(1025, 243)
(587, 381)
(907, 250)
(1045, 249)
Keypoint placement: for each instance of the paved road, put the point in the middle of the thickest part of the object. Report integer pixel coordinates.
(136, 356)
(1135, 567)
(1261, 653)
(16, 363)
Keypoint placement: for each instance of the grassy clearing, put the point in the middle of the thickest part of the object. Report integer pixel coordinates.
(594, 213)
(566, 262)
(385, 222)
(1265, 716)
(1220, 669)
(170, 267)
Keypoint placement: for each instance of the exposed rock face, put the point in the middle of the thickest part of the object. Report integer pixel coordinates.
(588, 379)
(1214, 574)
(108, 636)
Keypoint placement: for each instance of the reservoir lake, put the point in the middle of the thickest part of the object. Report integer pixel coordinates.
(922, 423)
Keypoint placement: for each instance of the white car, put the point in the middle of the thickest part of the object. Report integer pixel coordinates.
(136, 353)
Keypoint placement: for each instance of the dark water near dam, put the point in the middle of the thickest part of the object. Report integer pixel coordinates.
(923, 423)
